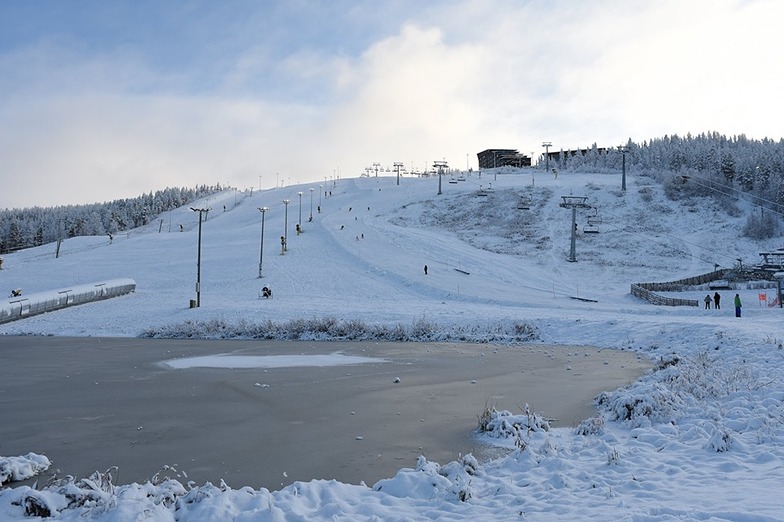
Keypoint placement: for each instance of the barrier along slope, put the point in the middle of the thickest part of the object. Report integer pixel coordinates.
(22, 306)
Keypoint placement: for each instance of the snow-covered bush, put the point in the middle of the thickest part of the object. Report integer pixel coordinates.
(96, 495)
(680, 383)
(591, 426)
(702, 376)
(431, 480)
(644, 404)
(332, 329)
(504, 424)
(13, 469)
(720, 440)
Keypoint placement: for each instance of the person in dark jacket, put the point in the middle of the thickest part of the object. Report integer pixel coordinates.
(717, 300)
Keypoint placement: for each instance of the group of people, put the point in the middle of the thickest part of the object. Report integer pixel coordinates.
(716, 300)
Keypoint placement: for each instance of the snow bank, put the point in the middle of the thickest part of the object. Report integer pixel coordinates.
(14, 469)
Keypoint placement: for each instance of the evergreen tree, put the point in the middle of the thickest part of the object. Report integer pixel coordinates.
(14, 239)
(728, 167)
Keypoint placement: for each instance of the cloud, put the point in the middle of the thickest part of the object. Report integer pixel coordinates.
(413, 85)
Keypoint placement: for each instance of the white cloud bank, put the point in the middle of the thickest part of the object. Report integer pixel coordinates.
(441, 83)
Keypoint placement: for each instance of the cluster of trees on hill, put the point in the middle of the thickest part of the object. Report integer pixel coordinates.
(28, 227)
(719, 166)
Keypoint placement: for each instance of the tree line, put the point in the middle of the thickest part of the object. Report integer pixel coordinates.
(748, 165)
(709, 164)
(29, 227)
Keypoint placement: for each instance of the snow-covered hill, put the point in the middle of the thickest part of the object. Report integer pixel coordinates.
(700, 439)
(362, 257)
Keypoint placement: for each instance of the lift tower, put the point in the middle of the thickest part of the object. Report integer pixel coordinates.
(574, 202)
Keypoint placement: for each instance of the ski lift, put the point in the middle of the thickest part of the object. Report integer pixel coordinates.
(593, 217)
(593, 221)
(590, 229)
(524, 203)
(461, 178)
(453, 181)
(481, 191)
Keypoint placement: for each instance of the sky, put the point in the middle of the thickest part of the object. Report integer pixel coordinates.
(705, 435)
(107, 100)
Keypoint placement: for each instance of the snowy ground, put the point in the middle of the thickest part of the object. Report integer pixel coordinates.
(700, 439)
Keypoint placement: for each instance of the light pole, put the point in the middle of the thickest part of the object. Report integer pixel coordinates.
(299, 222)
(201, 212)
(547, 146)
(284, 246)
(263, 211)
(376, 165)
(319, 207)
(311, 204)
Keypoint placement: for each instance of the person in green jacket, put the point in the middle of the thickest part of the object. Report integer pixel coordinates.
(737, 305)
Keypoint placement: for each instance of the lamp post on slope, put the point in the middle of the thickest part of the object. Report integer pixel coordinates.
(311, 204)
(263, 211)
(201, 211)
(299, 221)
(285, 238)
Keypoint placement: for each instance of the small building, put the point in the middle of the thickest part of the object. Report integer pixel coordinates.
(492, 158)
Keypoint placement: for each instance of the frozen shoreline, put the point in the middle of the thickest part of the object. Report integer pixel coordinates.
(271, 426)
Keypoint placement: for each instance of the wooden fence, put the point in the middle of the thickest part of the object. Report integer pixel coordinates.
(643, 293)
(647, 290)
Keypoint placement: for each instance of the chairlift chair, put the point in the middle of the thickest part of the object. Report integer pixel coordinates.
(590, 229)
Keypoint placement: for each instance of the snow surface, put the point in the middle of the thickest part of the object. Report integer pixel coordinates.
(700, 438)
